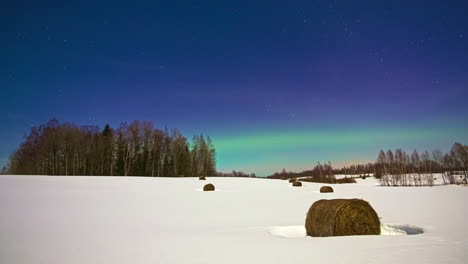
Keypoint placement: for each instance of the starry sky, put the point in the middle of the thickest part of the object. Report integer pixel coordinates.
(276, 84)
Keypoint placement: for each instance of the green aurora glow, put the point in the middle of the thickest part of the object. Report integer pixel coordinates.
(266, 153)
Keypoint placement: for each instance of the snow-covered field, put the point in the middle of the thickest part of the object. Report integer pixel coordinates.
(170, 220)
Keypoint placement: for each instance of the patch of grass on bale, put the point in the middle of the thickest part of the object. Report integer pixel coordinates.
(342, 217)
(326, 189)
(292, 180)
(208, 187)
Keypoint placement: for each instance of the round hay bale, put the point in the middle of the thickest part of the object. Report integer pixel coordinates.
(326, 189)
(208, 187)
(202, 178)
(297, 184)
(292, 180)
(342, 217)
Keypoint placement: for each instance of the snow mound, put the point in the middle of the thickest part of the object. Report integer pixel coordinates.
(397, 230)
(386, 230)
(288, 231)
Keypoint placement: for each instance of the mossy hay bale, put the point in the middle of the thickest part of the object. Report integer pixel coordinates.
(326, 189)
(342, 217)
(208, 187)
(202, 178)
(292, 180)
(297, 184)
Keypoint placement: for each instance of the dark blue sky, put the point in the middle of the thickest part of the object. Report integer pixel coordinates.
(244, 71)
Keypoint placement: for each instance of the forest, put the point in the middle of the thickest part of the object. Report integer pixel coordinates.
(399, 168)
(136, 149)
(396, 168)
(320, 173)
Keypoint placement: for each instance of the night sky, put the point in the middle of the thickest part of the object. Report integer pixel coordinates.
(276, 84)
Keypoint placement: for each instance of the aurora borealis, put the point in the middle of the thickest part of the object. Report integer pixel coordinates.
(297, 150)
(276, 85)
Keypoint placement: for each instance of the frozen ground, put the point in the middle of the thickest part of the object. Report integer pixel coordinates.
(169, 220)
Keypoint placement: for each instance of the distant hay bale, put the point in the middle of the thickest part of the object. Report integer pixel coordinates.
(326, 189)
(284, 178)
(202, 178)
(208, 187)
(297, 184)
(342, 217)
(345, 180)
(292, 180)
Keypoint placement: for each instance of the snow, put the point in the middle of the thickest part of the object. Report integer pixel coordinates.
(288, 231)
(169, 220)
(386, 230)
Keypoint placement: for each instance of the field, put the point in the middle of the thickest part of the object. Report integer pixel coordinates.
(50, 219)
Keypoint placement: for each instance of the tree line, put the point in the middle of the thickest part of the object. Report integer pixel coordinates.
(398, 168)
(320, 173)
(136, 149)
(356, 169)
(236, 174)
